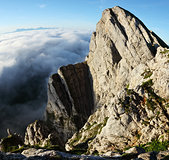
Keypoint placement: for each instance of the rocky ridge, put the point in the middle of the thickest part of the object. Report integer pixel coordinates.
(124, 81)
(130, 85)
(117, 99)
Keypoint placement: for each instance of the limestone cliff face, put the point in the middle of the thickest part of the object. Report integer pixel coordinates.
(129, 69)
(70, 100)
(120, 44)
(119, 96)
(70, 103)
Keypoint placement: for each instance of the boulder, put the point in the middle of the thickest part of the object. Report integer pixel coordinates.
(42, 134)
(148, 156)
(137, 150)
(163, 155)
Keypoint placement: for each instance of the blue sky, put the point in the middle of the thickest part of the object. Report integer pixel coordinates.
(84, 14)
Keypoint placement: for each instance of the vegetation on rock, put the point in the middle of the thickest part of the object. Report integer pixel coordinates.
(155, 145)
(92, 130)
(146, 74)
(12, 143)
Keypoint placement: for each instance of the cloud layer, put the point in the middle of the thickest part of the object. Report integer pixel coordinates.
(27, 59)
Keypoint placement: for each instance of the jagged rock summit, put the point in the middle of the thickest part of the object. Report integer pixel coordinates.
(118, 97)
(130, 85)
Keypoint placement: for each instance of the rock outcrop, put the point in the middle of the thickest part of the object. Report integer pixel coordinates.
(120, 46)
(12, 142)
(118, 97)
(70, 100)
(129, 69)
(70, 103)
(42, 134)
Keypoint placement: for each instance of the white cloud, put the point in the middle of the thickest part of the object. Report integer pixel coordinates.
(26, 60)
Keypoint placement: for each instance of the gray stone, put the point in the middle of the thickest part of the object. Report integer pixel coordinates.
(137, 150)
(163, 155)
(42, 134)
(2, 156)
(147, 156)
(70, 101)
(42, 154)
(14, 156)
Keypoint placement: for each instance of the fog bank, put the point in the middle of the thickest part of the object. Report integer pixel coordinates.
(27, 59)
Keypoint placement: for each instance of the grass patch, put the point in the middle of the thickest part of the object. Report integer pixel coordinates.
(151, 104)
(49, 147)
(155, 145)
(147, 84)
(18, 150)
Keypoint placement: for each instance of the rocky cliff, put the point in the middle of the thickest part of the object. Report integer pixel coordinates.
(118, 97)
(129, 68)
(70, 100)
(70, 103)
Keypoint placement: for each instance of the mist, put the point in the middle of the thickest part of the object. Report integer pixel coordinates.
(27, 59)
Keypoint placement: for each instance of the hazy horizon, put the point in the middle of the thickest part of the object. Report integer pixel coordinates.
(76, 14)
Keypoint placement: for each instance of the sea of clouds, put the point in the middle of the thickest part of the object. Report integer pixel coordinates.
(27, 59)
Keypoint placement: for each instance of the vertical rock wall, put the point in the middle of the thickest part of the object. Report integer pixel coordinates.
(70, 99)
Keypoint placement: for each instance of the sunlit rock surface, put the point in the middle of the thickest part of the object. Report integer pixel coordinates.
(118, 97)
(129, 70)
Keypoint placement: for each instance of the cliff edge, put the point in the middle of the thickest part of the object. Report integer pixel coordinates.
(119, 96)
